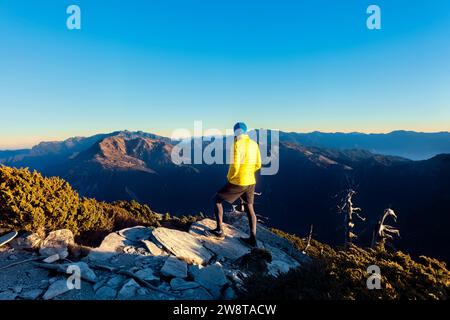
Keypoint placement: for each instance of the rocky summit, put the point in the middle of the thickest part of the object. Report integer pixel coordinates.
(140, 263)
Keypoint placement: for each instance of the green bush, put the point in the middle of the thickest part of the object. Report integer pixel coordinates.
(141, 212)
(31, 202)
(334, 274)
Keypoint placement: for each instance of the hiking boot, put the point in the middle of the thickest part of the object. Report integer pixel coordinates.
(251, 241)
(218, 233)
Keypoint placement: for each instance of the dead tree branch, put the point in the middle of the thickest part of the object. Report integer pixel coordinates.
(348, 209)
(309, 240)
(21, 262)
(383, 231)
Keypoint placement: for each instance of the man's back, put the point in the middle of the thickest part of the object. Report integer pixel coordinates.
(246, 161)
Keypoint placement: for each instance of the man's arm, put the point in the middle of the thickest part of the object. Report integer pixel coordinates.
(258, 159)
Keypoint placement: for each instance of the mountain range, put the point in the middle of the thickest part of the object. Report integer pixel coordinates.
(315, 170)
(408, 144)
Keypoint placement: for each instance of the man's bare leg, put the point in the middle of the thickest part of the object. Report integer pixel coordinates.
(218, 212)
(251, 215)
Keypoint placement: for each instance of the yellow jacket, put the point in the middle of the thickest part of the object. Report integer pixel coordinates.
(246, 160)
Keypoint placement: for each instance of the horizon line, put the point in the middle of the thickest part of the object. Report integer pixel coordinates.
(38, 141)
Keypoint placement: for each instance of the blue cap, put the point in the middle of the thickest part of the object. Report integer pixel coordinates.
(240, 126)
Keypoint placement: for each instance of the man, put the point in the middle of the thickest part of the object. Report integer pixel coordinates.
(241, 183)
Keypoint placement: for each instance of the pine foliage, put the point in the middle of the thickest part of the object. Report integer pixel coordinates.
(31, 202)
(336, 274)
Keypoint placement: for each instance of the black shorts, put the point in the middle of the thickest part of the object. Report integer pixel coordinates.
(231, 192)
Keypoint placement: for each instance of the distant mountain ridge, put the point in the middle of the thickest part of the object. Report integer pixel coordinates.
(49, 153)
(408, 144)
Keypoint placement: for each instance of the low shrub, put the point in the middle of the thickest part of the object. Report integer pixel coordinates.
(335, 274)
(31, 202)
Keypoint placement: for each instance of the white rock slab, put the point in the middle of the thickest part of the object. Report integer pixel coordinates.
(229, 247)
(174, 267)
(199, 228)
(136, 234)
(266, 237)
(147, 274)
(153, 248)
(111, 245)
(129, 290)
(183, 245)
(212, 278)
(57, 288)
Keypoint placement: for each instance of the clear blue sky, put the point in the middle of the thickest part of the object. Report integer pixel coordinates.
(159, 65)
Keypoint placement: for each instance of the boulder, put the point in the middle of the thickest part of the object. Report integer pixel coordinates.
(183, 245)
(111, 245)
(178, 284)
(212, 278)
(193, 270)
(153, 248)
(56, 288)
(174, 267)
(136, 234)
(105, 293)
(146, 274)
(57, 242)
(128, 290)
